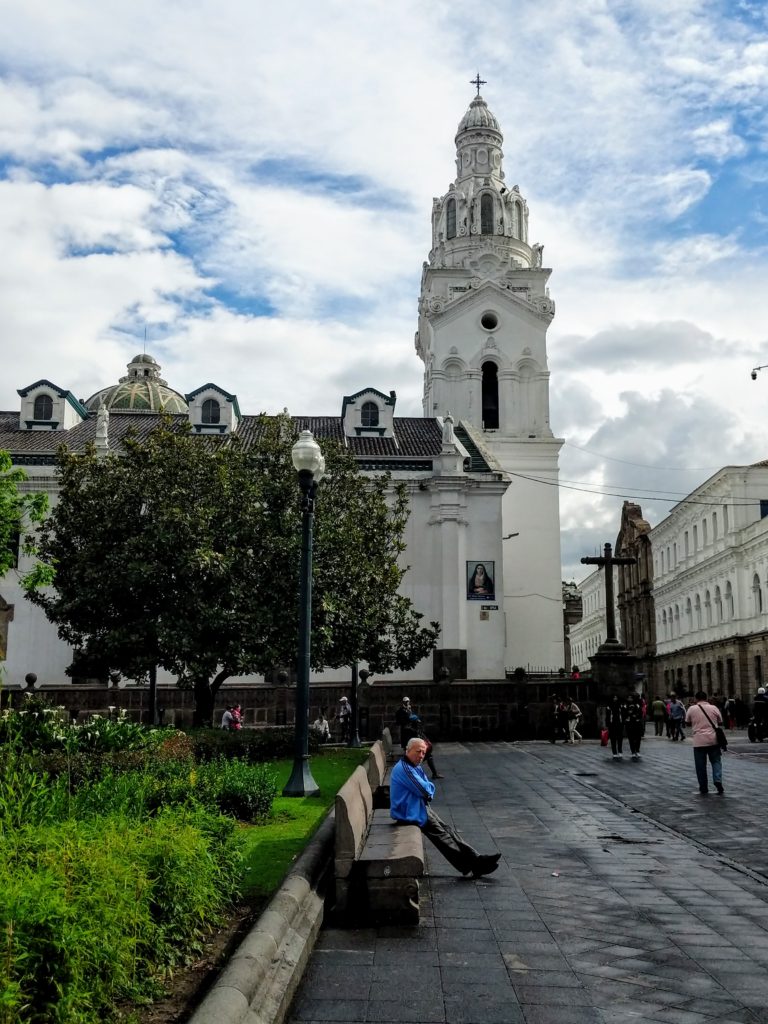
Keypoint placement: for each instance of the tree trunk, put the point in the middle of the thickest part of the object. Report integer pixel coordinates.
(205, 699)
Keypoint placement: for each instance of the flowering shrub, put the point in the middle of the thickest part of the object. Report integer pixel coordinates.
(40, 727)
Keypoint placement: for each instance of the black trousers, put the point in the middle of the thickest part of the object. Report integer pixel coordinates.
(635, 736)
(459, 854)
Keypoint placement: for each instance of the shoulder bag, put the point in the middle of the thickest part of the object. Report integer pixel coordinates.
(722, 739)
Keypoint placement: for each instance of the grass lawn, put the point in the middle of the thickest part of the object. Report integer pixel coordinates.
(271, 848)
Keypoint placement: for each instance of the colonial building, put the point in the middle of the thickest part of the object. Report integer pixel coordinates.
(590, 632)
(481, 466)
(710, 570)
(484, 311)
(634, 593)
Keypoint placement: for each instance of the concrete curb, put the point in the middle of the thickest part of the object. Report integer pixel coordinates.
(258, 983)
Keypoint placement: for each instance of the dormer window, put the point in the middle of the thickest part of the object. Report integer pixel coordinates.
(369, 415)
(211, 411)
(43, 408)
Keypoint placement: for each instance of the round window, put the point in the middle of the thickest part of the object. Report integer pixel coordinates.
(489, 321)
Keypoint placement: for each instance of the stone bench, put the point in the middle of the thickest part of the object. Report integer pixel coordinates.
(377, 862)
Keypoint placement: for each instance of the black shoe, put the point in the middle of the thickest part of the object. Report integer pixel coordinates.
(703, 792)
(719, 788)
(437, 775)
(485, 864)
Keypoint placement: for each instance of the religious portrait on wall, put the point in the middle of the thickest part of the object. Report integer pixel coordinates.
(480, 585)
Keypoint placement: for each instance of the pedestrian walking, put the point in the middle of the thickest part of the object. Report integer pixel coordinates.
(703, 717)
(659, 714)
(634, 724)
(344, 715)
(573, 717)
(729, 713)
(677, 713)
(614, 722)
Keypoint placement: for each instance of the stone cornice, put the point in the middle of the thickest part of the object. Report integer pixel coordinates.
(440, 310)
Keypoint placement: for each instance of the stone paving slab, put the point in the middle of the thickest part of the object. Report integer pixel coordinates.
(623, 897)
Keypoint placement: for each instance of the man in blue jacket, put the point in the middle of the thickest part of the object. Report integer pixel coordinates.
(410, 793)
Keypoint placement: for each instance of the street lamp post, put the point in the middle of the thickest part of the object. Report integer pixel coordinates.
(309, 464)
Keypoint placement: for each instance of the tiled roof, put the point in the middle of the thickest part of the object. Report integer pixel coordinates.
(415, 439)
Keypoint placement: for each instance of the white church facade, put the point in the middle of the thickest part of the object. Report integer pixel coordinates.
(480, 466)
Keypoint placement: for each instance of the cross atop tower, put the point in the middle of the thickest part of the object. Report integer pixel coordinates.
(478, 81)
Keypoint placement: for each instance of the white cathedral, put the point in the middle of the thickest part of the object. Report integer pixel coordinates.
(481, 466)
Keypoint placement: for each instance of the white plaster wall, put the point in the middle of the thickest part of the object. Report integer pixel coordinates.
(453, 519)
(588, 634)
(731, 547)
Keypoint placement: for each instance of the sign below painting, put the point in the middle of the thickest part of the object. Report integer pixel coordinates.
(480, 585)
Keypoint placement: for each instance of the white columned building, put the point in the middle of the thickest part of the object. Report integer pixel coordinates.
(484, 311)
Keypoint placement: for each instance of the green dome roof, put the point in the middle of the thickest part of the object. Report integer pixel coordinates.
(142, 390)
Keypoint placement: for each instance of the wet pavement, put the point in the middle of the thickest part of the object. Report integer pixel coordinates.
(622, 896)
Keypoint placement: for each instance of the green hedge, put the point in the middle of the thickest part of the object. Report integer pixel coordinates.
(92, 912)
(248, 744)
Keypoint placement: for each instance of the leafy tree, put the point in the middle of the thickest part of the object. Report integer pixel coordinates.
(183, 552)
(16, 510)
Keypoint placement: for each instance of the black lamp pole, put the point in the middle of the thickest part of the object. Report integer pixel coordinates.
(354, 730)
(301, 782)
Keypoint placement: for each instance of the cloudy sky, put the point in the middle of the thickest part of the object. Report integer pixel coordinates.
(251, 184)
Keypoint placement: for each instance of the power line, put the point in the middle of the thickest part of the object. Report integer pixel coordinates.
(653, 495)
(644, 465)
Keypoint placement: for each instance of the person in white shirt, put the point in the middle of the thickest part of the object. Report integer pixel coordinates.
(703, 717)
(227, 719)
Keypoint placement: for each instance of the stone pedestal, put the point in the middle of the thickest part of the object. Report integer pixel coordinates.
(613, 671)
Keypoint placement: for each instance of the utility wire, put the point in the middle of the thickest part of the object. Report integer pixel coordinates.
(644, 465)
(653, 496)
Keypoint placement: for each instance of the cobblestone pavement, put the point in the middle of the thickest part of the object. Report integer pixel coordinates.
(622, 896)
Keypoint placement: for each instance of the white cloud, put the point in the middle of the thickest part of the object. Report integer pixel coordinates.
(135, 137)
(717, 139)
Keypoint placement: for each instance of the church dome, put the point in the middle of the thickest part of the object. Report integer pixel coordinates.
(478, 116)
(141, 390)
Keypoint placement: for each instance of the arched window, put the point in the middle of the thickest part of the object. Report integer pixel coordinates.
(714, 526)
(43, 408)
(490, 396)
(725, 519)
(718, 606)
(704, 532)
(211, 411)
(728, 601)
(708, 608)
(757, 594)
(450, 219)
(664, 624)
(369, 414)
(486, 214)
(677, 620)
(695, 539)
(688, 616)
(697, 608)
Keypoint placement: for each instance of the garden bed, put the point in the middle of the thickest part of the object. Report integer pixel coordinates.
(122, 849)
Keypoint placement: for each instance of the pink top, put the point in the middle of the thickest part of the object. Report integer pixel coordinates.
(703, 733)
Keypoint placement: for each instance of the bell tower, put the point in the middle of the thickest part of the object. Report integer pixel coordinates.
(484, 310)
